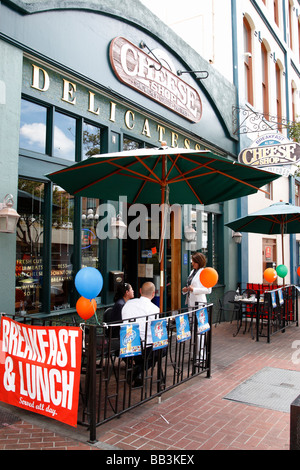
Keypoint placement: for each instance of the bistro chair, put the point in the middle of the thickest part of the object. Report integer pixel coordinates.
(250, 310)
(227, 307)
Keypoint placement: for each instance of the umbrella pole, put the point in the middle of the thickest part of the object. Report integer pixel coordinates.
(162, 241)
(282, 248)
(162, 267)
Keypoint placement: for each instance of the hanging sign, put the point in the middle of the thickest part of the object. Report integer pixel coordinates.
(268, 155)
(272, 152)
(159, 334)
(183, 327)
(130, 342)
(40, 369)
(273, 297)
(144, 74)
(202, 320)
(280, 297)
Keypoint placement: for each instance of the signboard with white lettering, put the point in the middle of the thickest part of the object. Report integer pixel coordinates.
(141, 72)
(40, 369)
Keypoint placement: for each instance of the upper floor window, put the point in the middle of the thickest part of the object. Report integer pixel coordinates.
(64, 136)
(297, 194)
(248, 62)
(291, 24)
(269, 190)
(278, 96)
(33, 127)
(68, 137)
(276, 12)
(265, 79)
(294, 94)
(299, 36)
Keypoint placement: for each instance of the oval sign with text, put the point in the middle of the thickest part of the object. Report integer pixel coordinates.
(141, 72)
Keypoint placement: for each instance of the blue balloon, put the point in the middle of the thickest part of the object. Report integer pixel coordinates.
(89, 282)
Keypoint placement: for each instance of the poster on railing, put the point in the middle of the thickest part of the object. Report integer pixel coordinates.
(273, 298)
(130, 342)
(183, 327)
(159, 334)
(40, 369)
(202, 320)
(280, 297)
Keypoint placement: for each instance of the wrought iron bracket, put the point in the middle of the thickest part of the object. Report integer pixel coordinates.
(245, 120)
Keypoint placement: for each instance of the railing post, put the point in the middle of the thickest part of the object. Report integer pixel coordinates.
(209, 339)
(92, 382)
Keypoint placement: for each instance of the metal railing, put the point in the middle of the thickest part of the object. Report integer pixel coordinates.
(279, 311)
(107, 389)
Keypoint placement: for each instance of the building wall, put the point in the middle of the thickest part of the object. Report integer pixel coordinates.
(216, 29)
(71, 40)
(11, 83)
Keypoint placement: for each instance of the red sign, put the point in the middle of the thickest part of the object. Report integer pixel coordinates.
(138, 70)
(268, 252)
(40, 369)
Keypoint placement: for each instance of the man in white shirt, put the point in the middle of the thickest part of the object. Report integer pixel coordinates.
(142, 310)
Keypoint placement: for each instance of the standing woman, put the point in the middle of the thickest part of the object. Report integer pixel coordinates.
(196, 295)
(195, 291)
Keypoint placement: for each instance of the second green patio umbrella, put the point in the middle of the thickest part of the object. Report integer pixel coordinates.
(277, 219)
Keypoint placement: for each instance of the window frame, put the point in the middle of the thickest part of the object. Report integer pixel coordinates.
(248, 69)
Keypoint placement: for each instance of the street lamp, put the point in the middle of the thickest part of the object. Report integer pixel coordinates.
(8, 216)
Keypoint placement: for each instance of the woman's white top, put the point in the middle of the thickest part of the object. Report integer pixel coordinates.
(199, 291)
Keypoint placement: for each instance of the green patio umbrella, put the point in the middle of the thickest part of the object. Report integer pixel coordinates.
(277, 219)
(162, 175)
(192, 176)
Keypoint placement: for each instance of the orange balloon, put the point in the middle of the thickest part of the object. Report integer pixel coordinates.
(270, 275)
(209, 277)
(298, 271)
(86, 308)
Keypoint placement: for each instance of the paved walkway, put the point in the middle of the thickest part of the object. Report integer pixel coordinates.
(194, 416)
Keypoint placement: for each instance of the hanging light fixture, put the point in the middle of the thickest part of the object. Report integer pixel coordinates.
(190, 233)
(118, 227)
(8, 216)
(237, 237)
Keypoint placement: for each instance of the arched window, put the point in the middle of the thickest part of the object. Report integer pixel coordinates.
(265, 79)
(276, 12)
(291, 24)
(278, 96)
(248, 62)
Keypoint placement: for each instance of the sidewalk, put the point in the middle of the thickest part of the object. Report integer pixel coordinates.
(193, 416)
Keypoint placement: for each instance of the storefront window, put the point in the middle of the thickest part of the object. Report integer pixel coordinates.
(33, 127)
(91, 141)
(130, 144)
(62, 249)
(64, 136)
(30, 238)
(89, 240)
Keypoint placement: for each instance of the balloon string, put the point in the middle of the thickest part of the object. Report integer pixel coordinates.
(95, 309)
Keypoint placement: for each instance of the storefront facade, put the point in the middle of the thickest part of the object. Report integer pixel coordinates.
(74, 83)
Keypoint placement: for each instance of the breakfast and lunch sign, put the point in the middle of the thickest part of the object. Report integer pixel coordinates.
(40, 369)
(272, 152)
(144, 74)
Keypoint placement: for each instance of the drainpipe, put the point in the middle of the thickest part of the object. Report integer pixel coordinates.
(291, 178)
(243, 247)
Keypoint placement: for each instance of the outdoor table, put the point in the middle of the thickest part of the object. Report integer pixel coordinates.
(241, 302)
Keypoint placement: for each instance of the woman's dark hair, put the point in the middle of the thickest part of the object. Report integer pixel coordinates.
(200, 259)
(121, 291)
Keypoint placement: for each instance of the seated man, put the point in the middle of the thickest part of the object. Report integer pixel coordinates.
(142, 310)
